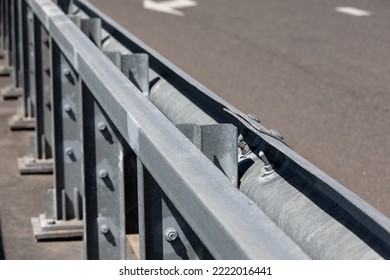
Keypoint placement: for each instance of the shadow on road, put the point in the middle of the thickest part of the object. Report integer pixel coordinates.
(2, 256)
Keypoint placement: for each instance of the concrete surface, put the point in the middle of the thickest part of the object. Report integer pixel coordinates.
(22, 197)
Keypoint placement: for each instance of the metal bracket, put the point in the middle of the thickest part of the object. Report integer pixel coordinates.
(30, 165)
(218, 142)
(92, 29)
(5, 70)
(136, 69)
(47, 226)
(17, 122)
(11, 92)
(164, 233)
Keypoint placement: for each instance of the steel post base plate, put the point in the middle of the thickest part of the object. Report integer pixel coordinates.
(45, 228)
(11, 92)
(5, 70)
(31, 165)
(17, 122)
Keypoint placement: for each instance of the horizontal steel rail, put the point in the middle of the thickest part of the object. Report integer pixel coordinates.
(139, 146)
(183, 175)
(182, 99)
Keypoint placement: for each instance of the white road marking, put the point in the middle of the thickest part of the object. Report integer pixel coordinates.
(170, 6)
(353, 11)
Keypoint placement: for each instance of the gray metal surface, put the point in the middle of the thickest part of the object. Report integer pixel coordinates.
(153, 139)
(104, 183)
(182, 99)
(14, 36)
(23, 119)
(218, 142)
(305, 69)
(109, 122)
(35, 103)
(63, 216)
(321, 227)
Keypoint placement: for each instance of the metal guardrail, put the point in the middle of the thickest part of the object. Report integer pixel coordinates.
(138, 146)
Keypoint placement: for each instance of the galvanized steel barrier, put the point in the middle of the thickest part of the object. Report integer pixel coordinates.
(137, 146)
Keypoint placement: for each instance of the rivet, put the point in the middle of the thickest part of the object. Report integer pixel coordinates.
(103, 173)
(170, 234)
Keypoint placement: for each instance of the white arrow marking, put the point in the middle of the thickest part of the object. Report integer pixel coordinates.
(169, 7)
(353, 11)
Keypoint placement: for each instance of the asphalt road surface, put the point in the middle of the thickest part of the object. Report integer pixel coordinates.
(318, 74)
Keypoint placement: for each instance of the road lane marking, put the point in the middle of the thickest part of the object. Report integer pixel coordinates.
(353, 11)
(170, 6)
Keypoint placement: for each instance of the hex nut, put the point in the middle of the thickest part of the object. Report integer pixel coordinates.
(171, 234)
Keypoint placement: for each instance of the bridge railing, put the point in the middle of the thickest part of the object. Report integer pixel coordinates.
(137, 146)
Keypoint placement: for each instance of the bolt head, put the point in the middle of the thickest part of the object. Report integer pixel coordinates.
(66, 72)
(171, 234)
(103, 173)
(104, 228)
(67, 108)
(101, 126)
(69, 151)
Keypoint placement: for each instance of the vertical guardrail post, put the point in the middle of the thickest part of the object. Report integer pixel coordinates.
(112, 168)
(40, 158)
(110, 209)
(14, 90)
(64, 216)
(104, 194)
(24, 117)
(62, 110)
(164, 234)
(1, 28)
(104, 184)
(6, 68)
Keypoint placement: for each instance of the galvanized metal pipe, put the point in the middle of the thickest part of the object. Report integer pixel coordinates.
(317, 224)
